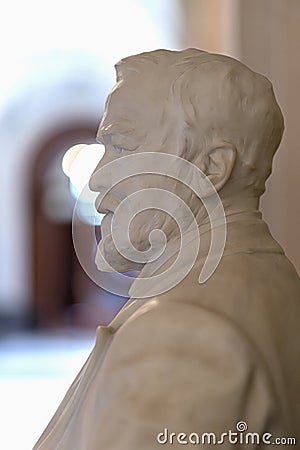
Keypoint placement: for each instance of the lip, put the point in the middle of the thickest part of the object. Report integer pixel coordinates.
(106, 225)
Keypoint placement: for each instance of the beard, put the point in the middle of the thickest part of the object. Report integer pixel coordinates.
(108, 258)
(138, 242)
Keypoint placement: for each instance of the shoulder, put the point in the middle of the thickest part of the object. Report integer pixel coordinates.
(172, 361)
(183, 330)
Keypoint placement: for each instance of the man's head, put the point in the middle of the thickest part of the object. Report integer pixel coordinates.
(209, 109)
(212, 99)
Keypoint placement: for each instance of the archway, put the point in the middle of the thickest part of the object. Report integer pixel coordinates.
(62, 292)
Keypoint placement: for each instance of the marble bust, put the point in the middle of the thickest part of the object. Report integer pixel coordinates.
(188, 362)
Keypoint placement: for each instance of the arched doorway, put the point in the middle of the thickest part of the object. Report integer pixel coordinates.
(62, 292)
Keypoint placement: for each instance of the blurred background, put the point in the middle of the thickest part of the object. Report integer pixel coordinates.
(57, 63)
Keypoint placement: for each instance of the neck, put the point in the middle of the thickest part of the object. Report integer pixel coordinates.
(238, 203)
(235, 204)
(236, 210)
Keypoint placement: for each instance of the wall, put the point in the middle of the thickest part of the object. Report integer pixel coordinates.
(50, 79)
(266, 36)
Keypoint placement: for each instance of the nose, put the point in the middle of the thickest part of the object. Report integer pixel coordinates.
(101, 177)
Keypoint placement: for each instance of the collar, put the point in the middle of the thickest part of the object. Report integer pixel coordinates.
(246, 233)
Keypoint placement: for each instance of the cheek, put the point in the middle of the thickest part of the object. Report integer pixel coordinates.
(140, 227)
(145, 222)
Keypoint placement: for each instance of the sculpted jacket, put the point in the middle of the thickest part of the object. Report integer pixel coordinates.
(196, 359)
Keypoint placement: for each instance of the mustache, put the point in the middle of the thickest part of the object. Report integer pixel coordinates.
(106, 203)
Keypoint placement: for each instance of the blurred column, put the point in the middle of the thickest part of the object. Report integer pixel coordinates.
(211, 25)
(266, 36)
(270, 43)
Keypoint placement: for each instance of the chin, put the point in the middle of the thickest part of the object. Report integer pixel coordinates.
(108, 259)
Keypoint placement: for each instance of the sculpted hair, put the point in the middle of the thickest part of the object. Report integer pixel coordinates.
(218, 100)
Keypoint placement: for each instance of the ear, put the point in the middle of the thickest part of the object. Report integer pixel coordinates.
(217, 164)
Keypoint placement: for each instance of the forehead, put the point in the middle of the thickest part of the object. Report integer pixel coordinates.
(131, 107)
(124, 102)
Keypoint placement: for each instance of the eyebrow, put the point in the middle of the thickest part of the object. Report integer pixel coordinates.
(113, 129)
(126, 135)
(106, 138)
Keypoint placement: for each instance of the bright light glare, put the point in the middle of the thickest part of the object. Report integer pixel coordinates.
(78, 164)
(70, 156)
